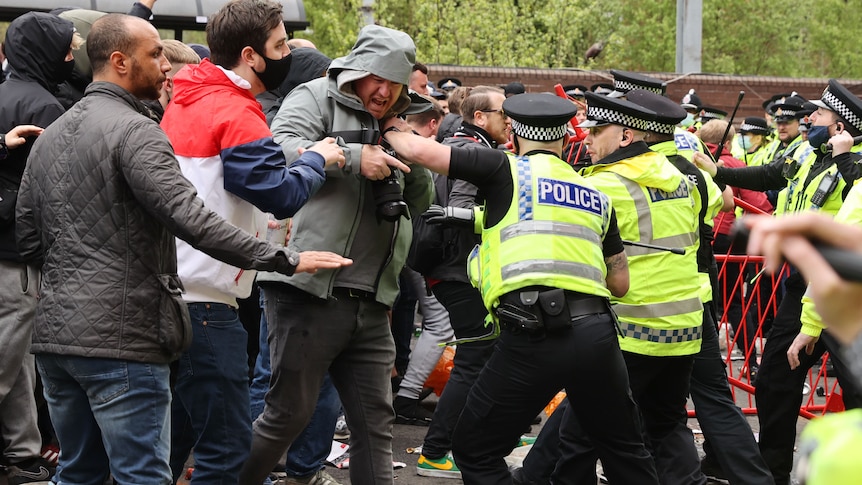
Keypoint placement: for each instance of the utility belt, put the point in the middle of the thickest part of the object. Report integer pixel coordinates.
(535, 309)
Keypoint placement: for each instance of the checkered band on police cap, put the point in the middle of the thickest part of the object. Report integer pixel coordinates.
(605, 115)
(538, 133)
(842, 108)
(658, 127)
(625, 86)
(746, 128)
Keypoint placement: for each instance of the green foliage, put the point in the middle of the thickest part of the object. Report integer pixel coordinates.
(739, 36)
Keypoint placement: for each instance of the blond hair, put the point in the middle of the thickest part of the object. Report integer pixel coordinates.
(179, 53)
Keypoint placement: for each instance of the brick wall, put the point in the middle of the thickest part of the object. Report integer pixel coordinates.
(718, 91)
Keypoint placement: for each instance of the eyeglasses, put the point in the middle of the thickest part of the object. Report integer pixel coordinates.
(502, 113)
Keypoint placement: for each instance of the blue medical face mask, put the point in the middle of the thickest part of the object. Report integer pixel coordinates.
(744, 142)
(688, 121)
(818, 136)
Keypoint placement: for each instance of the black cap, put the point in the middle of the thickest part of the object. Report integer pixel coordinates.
(602, 88)
(575, 90)
(774, 99)
(708, 114)
(754, 124)
(625, 81)
(789, 107)
(418, 104)
(513, 88)
(840, 100)
(667, 113)
(539, 116)
(432, 91)
(691, 101)
(449, 83)
(602, 110)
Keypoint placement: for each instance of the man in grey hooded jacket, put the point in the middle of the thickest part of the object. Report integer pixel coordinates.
(337, 320)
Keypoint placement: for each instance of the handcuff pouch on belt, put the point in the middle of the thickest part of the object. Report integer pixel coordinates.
(535, 310)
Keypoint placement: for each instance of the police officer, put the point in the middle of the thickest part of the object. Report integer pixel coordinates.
(750, 147)
(814, 177)
(549, 260)
(660, 316)
(730, 445)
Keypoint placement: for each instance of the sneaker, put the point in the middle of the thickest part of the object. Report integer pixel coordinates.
(51, 454)
(443, 468)
(342, 432)
(526, 440)
(319, 478)
(408, 411)
(36, 471)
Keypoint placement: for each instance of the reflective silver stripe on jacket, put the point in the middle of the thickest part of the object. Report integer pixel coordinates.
(654, 335)
(530, 227)
(659, 310)
(550, 266)
(645, 226)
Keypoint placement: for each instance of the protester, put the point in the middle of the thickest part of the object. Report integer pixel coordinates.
(100, 203)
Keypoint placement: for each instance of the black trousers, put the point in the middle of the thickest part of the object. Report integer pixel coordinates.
(524, 373)
(729, 437)
(779, 389)
(467, 314)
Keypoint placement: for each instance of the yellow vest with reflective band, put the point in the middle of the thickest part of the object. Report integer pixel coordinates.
(796, 197)
(829, 449)
(551, 235)
(850, 213)
(715, 202)
(662, 312)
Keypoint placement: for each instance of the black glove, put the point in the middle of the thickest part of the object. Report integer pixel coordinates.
(456, 216)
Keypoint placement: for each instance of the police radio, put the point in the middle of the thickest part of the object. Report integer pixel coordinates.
(824, 189)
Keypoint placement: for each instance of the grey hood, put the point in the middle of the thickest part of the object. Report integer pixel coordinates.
(383, 52)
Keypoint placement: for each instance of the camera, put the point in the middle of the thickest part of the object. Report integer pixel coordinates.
(387, 194)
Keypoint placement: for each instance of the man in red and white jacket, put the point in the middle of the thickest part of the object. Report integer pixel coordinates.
(225, 148)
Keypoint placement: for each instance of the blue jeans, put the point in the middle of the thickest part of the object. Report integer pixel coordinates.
(308, 453)
(109, 416)
(211, 397)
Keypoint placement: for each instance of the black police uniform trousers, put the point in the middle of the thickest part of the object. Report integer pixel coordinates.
(723, 423)
(467, 315)
(524, 372)
(779, 389)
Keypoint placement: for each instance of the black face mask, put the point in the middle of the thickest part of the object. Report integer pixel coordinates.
(275, 72)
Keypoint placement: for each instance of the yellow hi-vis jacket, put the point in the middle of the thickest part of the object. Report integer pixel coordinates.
(797, 196)
(551, 235)
(661, 314)
(713, 204)
(850, 213)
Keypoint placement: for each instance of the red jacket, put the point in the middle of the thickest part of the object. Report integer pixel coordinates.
(724, 220)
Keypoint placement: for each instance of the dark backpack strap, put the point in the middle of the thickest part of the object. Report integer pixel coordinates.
(364, 137)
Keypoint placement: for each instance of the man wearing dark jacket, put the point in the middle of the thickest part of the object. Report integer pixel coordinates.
(39, 49)
(484, 127)
(100, 203)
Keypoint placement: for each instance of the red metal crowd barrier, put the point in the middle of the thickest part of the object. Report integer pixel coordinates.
(748, 301)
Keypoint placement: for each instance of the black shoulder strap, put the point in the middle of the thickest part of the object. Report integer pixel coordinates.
(364, 137)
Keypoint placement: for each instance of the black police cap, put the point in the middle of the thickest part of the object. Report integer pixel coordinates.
(691, 101)
(602, 88)
(708, 114)
(667, 113)
(840, 100)
(602, 110)
(539, 116)
(789, 108)
(754, 124)
(513, 88)
(449, 83)
(575, 90)
(772, 100)
(625, 81)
